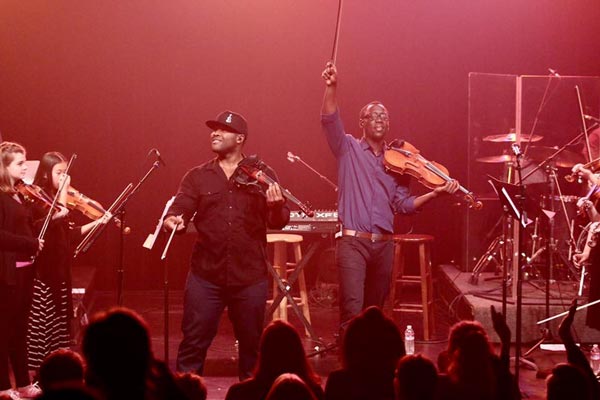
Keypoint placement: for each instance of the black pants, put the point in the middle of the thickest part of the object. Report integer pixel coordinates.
(203, 305)
(365, 271)
(15, 303)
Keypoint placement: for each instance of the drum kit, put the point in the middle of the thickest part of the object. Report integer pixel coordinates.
(557, 210)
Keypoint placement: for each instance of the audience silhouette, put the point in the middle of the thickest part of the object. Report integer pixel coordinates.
(290, 387)
(191, 385)
(371, 348)
(416, 378)
(116, 346)
(119, 364)
(61, 368)
(474, 371)
(574, 380)
(281, 351)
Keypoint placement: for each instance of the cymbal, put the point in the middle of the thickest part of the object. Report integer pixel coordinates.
(496, 159)
(511, 138)
(565, 159)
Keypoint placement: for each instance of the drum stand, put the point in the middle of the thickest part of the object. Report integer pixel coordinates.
(551, 250)
(498, 251)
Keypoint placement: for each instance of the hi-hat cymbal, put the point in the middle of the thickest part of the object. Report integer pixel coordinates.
(496, 159)
(565, 158)
(511, 138)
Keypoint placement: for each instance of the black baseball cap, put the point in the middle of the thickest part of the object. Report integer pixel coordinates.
(229, 121)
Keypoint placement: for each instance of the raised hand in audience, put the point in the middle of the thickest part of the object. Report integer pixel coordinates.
(503, 331)
(574, 354)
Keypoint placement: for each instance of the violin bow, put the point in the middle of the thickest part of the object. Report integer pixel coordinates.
(585, 129)
(55, 200)
(337, 32)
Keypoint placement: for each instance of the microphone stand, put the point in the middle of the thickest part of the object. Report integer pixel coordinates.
(521, 235)
(558, 151)
(293, 158)
(118, 208)
(121, 267)
(553, 75)
(513, 198)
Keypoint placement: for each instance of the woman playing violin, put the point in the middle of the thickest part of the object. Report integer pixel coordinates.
(49, 327)
(17, 246)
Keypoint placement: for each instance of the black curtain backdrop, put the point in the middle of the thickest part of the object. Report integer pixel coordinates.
(109, 80)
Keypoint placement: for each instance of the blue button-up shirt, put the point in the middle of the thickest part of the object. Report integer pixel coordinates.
(368, 196)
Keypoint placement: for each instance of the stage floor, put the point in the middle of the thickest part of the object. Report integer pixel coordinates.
(472, 301)
(456, 299)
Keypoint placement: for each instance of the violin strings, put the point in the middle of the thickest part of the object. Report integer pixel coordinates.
(442, 175)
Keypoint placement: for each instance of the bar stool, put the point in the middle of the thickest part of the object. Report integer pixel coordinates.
(401, 245)
(283, 269)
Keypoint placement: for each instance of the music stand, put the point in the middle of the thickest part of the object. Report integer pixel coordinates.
(513, 198)
(149, 244)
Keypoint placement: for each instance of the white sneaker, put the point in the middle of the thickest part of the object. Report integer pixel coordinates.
(12, 394)
(29, 391)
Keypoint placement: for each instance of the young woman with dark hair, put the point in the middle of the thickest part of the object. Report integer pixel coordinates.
(49, 324)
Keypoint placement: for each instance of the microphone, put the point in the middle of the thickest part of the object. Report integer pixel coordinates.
(590, 118)
(516, 149)
(159, 158)
(553, 72)
(291, 157)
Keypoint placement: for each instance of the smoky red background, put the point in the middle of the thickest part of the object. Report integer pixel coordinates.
(109, 80)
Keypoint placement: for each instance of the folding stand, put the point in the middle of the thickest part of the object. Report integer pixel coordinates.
(513, 198)
(285, 288)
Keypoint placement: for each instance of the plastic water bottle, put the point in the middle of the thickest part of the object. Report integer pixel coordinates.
(409, 341)
(595, 359)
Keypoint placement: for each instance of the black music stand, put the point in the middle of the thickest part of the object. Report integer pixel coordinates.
(513, 198)
(118, 208)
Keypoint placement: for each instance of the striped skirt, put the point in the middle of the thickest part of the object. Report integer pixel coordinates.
(49, 322)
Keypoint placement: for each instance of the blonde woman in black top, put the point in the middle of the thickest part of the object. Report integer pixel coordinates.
(17, 245)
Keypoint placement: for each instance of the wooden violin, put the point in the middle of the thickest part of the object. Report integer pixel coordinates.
(251, 171)
(593, 166)
(35, 194)
(406, 159)
(89, 207)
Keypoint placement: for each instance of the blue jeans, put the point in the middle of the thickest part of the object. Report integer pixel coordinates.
(365, 273)
(203, 305)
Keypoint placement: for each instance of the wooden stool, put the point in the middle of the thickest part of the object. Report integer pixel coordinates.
(401, 242)
(283, 268)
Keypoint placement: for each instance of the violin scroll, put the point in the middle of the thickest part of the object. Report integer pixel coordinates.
(35, 194)
(474, 204)
(252, 173)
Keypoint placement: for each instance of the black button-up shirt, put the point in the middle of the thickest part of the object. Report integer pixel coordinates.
(231, 221)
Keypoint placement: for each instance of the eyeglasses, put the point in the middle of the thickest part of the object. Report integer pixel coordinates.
(373, 116)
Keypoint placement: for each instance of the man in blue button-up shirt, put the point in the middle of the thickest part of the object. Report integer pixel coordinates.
(368, 198)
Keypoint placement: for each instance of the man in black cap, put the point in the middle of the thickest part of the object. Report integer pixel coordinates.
(228, 263)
